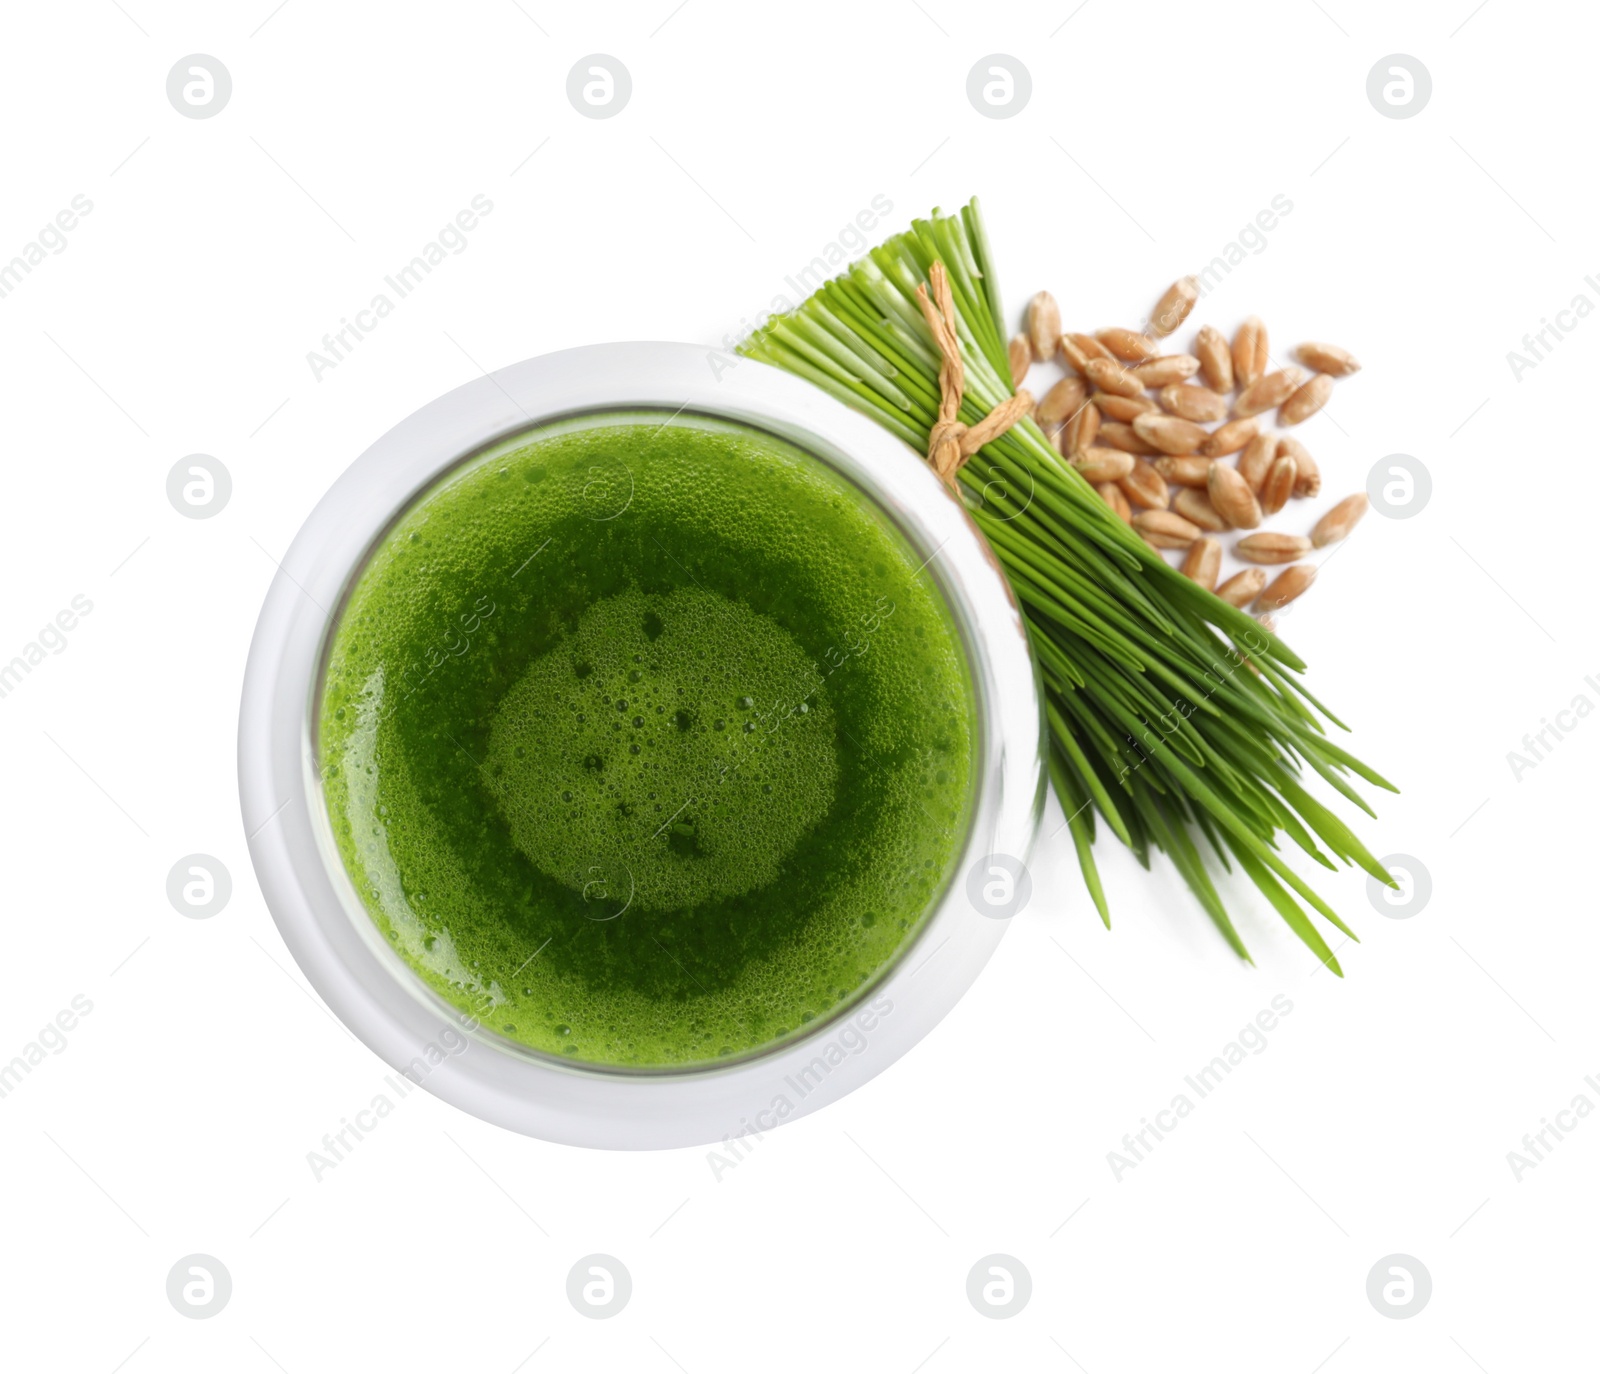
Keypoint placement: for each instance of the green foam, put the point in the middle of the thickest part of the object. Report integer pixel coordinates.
(639, 716)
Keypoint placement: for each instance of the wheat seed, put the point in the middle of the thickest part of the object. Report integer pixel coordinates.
(1195, 506)
(1162, 529)
(1271, 547)
(1339, 521)
(1203, 562)
(1216, 362)
(1243, 587)
(1196, 403)
(1129, 345)
(1267, 393)
(1174, 306)
(1288, 584)
(1232, 498)
(1044, 325)
(1324, 357)
(1144, 487)
(1021, 355)
(1113, 497)
(1278, 487)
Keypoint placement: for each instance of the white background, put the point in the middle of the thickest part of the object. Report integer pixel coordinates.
(1378, 1120)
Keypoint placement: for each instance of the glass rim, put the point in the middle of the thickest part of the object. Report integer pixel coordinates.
(588, 1104)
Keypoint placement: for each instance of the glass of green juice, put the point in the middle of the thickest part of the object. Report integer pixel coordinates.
(631, 744)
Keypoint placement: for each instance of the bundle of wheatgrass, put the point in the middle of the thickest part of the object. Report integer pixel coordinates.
(1175, 717)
